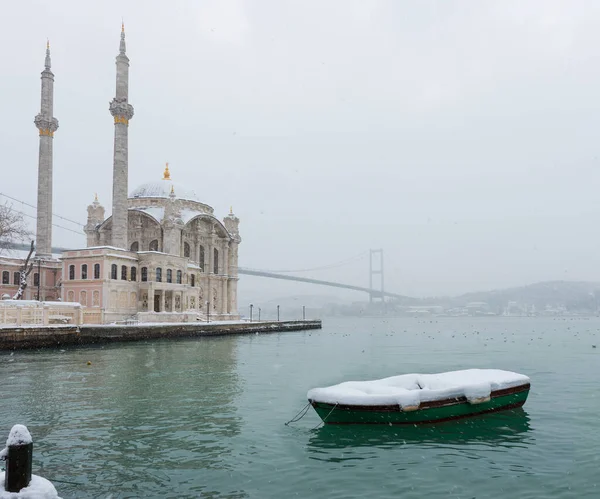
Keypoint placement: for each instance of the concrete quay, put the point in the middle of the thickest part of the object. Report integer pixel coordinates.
(30, 337)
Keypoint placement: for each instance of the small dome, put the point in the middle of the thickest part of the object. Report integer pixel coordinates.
(162, 189)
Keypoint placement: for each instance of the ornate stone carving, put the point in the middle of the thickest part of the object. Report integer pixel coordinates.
(46, 125)
(121, 110)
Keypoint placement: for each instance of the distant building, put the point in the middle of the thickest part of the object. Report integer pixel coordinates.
(477, 308)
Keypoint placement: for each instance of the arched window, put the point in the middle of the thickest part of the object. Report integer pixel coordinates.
(84, 271)
(144, 274)
(192, 280)
(216, 261)
(158, 274)
(36, 279)
(135, 246)
(153, 245)
(178, 277)
(71, 272)
(133, 275)
(123, 272)
(96, 271)
(16, 278)
(113, 271)
(169, 275)
(83, 298)
(71, 296)
(201, 262)
(186, 249)
(6, 277)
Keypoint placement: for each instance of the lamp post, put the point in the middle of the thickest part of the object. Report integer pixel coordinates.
(303, 312)
(258, 314)
(251, 307)
(277, 313)
(39, 274)
(207, 311)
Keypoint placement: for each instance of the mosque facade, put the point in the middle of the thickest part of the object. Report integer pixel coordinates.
(162, 255)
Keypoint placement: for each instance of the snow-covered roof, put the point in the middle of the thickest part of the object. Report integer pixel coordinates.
(187, 214)
(22, 254)
(156, 212)
(162, 189)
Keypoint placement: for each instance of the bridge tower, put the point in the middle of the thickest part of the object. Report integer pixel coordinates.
(376, 271)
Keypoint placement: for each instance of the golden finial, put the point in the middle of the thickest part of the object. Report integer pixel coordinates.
(122, 26)
(47, 43)
(231, 210)
(172, 189)
(95, 197)
(167, 173)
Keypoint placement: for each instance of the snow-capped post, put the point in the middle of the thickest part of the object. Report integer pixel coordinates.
(18, 477)
(18, 455)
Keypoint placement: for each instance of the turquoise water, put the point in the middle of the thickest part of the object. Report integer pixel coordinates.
(205, 418)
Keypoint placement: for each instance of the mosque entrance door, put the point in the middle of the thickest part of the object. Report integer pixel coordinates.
(157, 303)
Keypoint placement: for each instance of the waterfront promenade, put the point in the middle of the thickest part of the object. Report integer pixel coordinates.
(17, 338)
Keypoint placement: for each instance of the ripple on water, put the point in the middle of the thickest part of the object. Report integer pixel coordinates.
(204, 418)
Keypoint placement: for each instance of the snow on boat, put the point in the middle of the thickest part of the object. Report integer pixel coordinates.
(420, 398)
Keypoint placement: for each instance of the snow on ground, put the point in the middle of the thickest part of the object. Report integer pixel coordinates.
(408, 390)
(39, 488)
(149, 324)
(37, 326)
(35, 303)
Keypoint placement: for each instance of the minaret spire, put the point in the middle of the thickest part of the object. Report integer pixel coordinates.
(47, 125)
(122, 112)
(47, 62)
(122, 44)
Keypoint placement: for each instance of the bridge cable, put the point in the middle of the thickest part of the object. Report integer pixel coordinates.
(330, 266)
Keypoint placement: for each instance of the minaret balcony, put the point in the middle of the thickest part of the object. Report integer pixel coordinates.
(121, 110)
(46, 126)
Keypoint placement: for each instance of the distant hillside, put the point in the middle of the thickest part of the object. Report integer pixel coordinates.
(574, 295)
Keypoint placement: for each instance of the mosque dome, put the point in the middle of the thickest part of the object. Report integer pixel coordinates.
(163, 189)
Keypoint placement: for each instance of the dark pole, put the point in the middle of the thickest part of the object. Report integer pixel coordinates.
(18, 460)
(277, 313)
(303, 312)
(251, 307)
(39, 278)
(258, 314)
(207, 311)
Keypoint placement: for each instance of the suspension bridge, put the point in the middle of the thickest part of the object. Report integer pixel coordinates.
(375, 290)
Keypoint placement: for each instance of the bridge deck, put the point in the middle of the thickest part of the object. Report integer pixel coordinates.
(273, 275)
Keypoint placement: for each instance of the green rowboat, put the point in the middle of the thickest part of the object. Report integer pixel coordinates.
(421, 398)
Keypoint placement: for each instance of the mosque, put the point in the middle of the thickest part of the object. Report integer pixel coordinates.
(162, 255)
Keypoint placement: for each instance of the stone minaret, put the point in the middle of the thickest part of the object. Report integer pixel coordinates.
(95, 218)
(47, 125)
(122, 111)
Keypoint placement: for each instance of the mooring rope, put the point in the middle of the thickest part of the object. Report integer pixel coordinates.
(325, 418)
(300, 415)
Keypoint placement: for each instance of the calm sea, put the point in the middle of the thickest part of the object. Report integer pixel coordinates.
(205, 418)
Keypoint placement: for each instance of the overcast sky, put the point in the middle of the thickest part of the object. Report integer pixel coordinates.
(459, 136)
